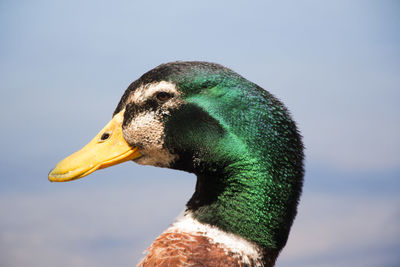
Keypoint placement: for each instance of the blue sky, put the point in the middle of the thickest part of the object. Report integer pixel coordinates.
(64, 66)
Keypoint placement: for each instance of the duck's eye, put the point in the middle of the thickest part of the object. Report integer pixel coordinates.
(104, 136)
(163, 96)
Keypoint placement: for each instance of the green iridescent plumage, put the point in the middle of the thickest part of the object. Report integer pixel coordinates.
(241, 143)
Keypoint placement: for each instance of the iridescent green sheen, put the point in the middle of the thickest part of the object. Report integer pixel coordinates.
(245, 149)
(241, 143)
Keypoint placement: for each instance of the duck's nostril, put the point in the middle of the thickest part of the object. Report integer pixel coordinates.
(105, 136)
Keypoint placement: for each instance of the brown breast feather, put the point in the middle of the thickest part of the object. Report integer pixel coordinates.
(174, 249)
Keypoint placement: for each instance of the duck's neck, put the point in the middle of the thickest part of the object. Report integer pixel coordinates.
(243, 200)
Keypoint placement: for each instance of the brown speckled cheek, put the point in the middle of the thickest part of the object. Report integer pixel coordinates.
(144, 122)
(146, 130)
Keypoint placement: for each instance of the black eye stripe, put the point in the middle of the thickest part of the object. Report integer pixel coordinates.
(150, 104)
(163, 96)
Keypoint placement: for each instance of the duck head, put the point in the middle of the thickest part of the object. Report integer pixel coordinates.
(203, 118)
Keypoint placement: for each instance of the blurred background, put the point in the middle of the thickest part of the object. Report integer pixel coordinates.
(65, 64)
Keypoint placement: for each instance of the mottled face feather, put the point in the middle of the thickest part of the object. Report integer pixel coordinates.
(238, 139)
(144, 121)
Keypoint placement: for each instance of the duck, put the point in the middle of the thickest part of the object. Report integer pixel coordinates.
(238, 139)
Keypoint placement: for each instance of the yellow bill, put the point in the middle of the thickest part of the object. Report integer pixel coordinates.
(106, 149)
